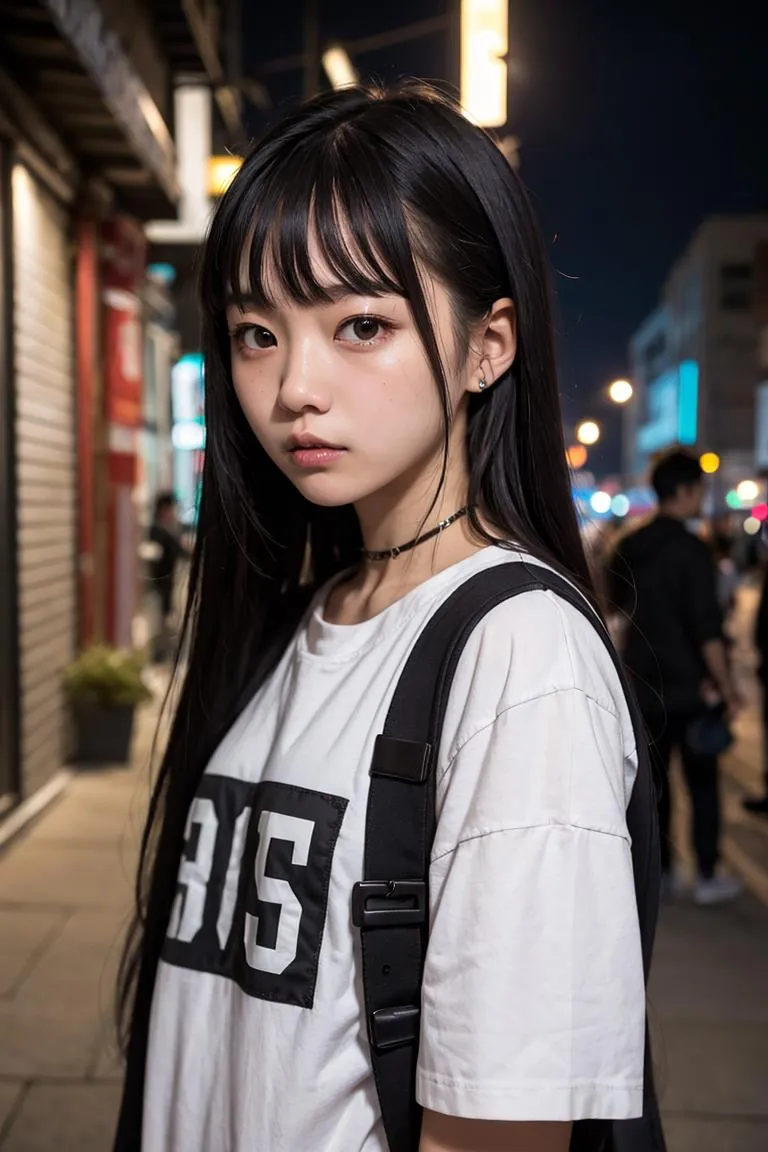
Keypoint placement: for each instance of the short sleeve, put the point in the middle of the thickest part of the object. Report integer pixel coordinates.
(533, 1001)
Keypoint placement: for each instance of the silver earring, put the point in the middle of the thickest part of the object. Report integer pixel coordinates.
(482, 383)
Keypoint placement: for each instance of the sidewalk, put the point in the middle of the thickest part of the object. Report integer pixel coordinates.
(65, 890)
(65, 894)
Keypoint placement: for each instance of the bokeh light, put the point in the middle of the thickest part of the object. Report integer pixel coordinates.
(620, 391)
(747, 491)
(588, 432)
(710, 462)
(577, 456)
(601, 503)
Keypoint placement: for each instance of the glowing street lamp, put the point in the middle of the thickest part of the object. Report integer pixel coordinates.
(338, 67)
(484, 46)
(221, 172)
(747, 491)
(588, 432)
(621, 391)
(577, 457)
(600, 503)
(710, 463)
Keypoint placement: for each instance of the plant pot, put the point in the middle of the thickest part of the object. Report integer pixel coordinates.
(104, 734)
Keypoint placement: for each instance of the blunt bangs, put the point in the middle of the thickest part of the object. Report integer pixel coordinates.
(333, 198)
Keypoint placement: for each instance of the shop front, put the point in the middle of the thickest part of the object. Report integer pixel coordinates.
(82, 145)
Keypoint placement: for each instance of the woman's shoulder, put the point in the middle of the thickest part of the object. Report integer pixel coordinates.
(530, 646)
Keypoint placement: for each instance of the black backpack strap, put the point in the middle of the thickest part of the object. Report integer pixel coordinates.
(391, 904)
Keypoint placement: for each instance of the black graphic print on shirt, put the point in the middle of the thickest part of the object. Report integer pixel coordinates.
(253, 886)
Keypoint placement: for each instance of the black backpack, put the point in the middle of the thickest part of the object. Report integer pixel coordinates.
(390, 905)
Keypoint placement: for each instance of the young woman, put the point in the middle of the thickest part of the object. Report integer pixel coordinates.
(379, 359)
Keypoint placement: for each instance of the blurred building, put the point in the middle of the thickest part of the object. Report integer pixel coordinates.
(761, 312)
(695, 361)
(88, 343)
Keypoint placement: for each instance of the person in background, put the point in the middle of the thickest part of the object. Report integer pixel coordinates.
(727, 572)
(758, 805)
(165, 534)
(662, 579)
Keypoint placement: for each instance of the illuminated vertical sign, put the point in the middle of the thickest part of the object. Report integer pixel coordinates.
(688, 402)
(484, 46)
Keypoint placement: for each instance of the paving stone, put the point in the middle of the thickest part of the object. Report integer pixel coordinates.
(10, 1093)
(35, 1044)
(23, 932)
(65, 1118)
(111, 813)
(709, 1067)
(72, 978)
(45, 873)
(726, 1134)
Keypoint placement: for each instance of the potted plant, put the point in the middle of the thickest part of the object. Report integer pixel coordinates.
(104, 686)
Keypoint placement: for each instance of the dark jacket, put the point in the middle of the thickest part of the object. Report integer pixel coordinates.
(761, 631)
(663, 578)
(162, 569)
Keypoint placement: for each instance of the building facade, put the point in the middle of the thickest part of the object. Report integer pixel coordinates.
(695, 361)
(86, 156)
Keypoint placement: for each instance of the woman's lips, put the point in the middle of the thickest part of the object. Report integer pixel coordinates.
(315, 456)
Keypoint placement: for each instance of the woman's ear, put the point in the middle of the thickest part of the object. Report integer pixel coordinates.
(495, 345)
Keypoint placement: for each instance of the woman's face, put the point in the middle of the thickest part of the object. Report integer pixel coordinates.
(341, 395)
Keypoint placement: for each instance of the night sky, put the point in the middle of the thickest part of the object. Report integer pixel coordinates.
(636, 121)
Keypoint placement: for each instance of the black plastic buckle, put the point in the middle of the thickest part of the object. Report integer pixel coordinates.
(393, 1027)
(406, 761)
(395, 903)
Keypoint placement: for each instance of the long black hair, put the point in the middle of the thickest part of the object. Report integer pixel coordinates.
(387, 183)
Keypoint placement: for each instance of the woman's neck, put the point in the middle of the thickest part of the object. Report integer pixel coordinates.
(379, 583)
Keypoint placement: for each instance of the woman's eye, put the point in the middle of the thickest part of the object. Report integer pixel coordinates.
(255, 338)
(362, 330)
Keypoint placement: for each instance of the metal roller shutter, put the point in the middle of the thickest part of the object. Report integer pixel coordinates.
(46, 471)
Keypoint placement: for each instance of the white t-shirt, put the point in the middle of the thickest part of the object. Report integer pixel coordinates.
(533, 1000)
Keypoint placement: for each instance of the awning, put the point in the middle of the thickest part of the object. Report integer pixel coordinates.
(67, 57)
(190, 31)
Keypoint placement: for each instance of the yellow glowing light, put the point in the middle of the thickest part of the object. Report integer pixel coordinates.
(576, 456)
(747, 491)
(221, 172)
(338, 67)
(710, 462)
(751, 526)
(484, 44)
(588, 432)
(620, 391)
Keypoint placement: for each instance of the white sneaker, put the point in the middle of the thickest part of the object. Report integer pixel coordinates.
(717, 890)
(674, 885)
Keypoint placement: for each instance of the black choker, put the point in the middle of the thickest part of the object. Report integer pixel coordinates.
(391, 553)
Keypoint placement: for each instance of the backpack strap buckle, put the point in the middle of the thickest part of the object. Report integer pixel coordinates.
(389, 903)
(393, 1027)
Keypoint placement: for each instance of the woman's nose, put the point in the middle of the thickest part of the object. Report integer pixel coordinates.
(304, 382)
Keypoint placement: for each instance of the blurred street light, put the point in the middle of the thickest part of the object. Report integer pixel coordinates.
(338, 67)
(621, 391)
(601, 503)
(588, 432)
(747, 491)
(221, 172)
(576, 456)
(710, 463)
(484, 47)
